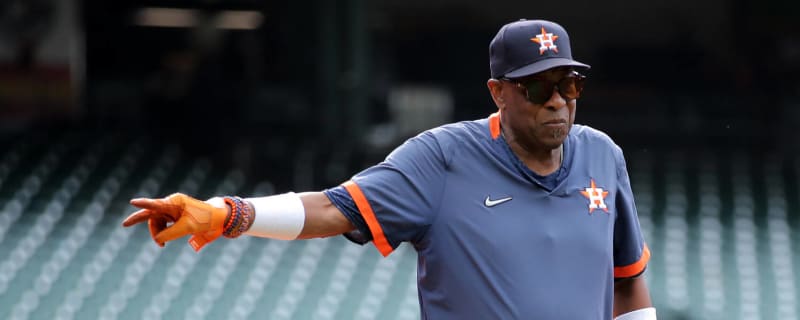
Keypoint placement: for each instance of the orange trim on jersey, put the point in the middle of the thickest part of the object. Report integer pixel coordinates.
(634, 268)
(378, 238)
(494, 124)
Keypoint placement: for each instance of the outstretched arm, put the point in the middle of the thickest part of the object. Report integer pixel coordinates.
(632, 300)
(287, 216)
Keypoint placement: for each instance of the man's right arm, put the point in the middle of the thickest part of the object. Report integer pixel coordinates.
(286, 216)
(323, 219)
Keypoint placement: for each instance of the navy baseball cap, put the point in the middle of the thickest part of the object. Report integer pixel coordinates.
(525, 47)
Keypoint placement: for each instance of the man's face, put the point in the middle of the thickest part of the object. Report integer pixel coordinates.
(538, 125)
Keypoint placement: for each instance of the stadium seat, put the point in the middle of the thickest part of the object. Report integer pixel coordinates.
(722, 227)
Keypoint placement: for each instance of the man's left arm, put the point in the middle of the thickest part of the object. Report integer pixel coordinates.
(631, 255)
(632, 300)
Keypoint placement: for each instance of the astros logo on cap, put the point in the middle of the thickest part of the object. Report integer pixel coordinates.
(546, 41)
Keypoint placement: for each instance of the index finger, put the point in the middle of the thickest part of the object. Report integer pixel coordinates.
(153, 204)
(164, 206)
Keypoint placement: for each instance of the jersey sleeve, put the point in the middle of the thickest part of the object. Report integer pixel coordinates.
(395, 200)
(630, 251)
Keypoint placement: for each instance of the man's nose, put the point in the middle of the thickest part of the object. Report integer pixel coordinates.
(556, 101)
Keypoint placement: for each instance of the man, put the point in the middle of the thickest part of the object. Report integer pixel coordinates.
(519, 216)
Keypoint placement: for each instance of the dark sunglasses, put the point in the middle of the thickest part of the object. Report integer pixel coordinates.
(539, 90)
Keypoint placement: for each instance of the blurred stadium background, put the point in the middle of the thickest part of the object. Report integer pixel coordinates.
(102, 101)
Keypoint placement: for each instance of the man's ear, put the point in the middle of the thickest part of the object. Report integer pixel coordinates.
(496, 90)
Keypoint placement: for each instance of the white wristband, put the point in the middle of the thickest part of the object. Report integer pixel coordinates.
(641, 314)
(279, 217)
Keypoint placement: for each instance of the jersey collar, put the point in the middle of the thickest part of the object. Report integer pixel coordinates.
(494, 125)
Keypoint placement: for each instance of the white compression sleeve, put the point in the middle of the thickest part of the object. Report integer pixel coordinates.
(641, 314)
(279, 217)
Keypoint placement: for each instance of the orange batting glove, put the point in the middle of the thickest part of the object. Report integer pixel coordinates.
(203, 220)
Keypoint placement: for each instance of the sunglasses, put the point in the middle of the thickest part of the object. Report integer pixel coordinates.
(538, 90)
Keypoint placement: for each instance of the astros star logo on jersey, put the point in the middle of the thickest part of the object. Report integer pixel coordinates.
(596, 197)
(546, 41)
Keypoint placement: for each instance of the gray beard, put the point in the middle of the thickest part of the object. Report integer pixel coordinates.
(558, 133)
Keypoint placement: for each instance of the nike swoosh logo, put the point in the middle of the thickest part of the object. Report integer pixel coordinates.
(491, 203)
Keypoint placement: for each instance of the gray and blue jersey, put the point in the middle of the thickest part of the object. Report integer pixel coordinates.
(494, 241)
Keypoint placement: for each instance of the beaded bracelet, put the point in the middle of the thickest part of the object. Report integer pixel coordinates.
(247, 217)
(232, 217)
(235, 219)
(242, 216)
